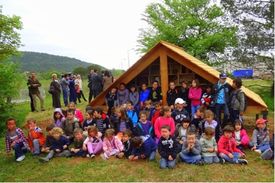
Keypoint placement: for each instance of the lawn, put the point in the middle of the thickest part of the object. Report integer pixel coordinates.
(83, 169)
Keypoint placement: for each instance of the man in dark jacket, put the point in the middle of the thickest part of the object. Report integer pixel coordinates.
(33, 85)
(65, 88)
(55, 91)
(95, 84)
(155, 93)
(30, 95)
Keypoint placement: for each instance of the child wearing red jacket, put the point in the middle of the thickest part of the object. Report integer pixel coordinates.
(227, 147)
(36, 138)
(240, 135)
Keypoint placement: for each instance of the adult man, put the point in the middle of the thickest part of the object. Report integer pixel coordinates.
(95, 84)
(65, 88)
(33, 85)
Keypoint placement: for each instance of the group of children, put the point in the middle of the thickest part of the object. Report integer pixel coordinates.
(172, 134)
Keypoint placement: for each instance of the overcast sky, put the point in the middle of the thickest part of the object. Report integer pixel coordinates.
(104, 32)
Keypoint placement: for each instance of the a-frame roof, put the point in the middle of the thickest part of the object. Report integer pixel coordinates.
(180, 56)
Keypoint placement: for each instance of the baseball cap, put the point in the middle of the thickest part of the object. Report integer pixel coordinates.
(180, 101)
(223, 76)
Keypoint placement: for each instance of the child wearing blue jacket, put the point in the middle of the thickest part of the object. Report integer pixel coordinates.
(132, 113)
(143, 148)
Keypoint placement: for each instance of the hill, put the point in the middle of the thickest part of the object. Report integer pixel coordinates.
(42, 62)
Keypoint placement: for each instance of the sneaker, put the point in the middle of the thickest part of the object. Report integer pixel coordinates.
(243, 161)
(43, 160)
(103, 156)
(200, 162)
(258, 151)
(21, 158)
(87, 155)
(92, 155)
(222, 161)
(267, 155)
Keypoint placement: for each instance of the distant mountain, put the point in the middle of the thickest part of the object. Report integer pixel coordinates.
(41, 62)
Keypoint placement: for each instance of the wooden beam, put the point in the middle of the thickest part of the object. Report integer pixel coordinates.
(164, 74)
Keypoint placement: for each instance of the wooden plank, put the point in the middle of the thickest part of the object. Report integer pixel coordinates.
(164, 74)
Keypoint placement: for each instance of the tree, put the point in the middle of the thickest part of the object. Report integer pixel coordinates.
(255, 20)
(193, 25)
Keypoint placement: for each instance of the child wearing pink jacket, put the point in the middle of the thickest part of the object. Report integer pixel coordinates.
(194, 95)
(112, 146)
(240, 135)
(78, 114)
(164, 119)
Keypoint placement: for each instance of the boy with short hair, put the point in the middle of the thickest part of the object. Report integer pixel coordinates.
(179, 113)
(77, 149)
(167, 148)
(70, 124)
(126, 140)
(172, 94)
(132, 113)
(100, 121)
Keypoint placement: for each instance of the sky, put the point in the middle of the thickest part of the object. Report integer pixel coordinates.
(104, 32)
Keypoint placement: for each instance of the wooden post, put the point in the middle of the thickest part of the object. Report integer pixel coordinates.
(164, 75)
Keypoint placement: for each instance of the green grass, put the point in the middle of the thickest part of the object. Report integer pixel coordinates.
(83, 169)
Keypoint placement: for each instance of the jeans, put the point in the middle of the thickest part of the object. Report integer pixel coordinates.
(164, 163)
(80, 153)
(263, 147)
(189, 158)
(19, 149)
(65, 96)
(219, 108)
(231, 160)
(234, 114)
(152, 156)
(211, 159)
(64, 153)
(36, 146)
(194, 109)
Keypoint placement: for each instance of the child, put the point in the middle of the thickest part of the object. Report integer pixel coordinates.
(36, 137)
(70, 124)
(92, 143)
(209, 146)
(58, 145)
(77, 149)
(156, 112)
(121, 122)
(16, 140)
(191, 149)
(197, 118)
(240, 135)
(194, 95)
(46, 147)
(155, 93)
(184, 91)
(111, 145)
(181, 132)
(179, 113)
(101, 124)
(227, 147)
(122, 94)
(143, 148)
(167, 148)
(149, 108)
(58, 117)
(207, 98)
(143, 127)
(164, 119)
(260, 137)
(172, 94)
(78, 114)
(134, 96)
(209, 122)
(143, 95)
(131, 113)
(89, 120)
(127, 145)
(111, 100)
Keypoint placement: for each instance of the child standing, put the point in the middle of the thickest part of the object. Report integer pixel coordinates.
(240, 135)
(172, 94)
(156, 112)
(132, 113)
(92, 143)
(16, 140)
(191, 150)
(134, 96)
(209, 146)
(197, 118)
(143, 95)
(144, 126)
(181, 132)
(77, 149)
(36, 137)
(69, 125)
(122, 94)
(194, 95)
(112, 146)
(179, 113)
(167, 148)
(227, 147)
(143, 148)
(58, 117)
(155, 93)
(164, 119)
(207, 98)
(58, 145)
(111, 100)
(260, 137)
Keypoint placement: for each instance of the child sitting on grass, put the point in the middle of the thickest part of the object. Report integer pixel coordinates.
(92, 143)
(69, 125)
(260, 139)
(181, 131)
(77, 149)
(143, 148)
(121, 122)
(88, 120)
(127, 145)
(227, 147)
(45, 148)
(99, 121)
(144, 126)
(57, 144)
(36, 137)
(209, 146)
(77, 112)
(58, 117)
(240, 135)
(167, 148)
(16, 140)
(209, 122)
(112, 146)
(191, 150)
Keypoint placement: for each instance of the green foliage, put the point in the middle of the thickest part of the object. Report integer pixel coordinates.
(191, 24)
(117, 72)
